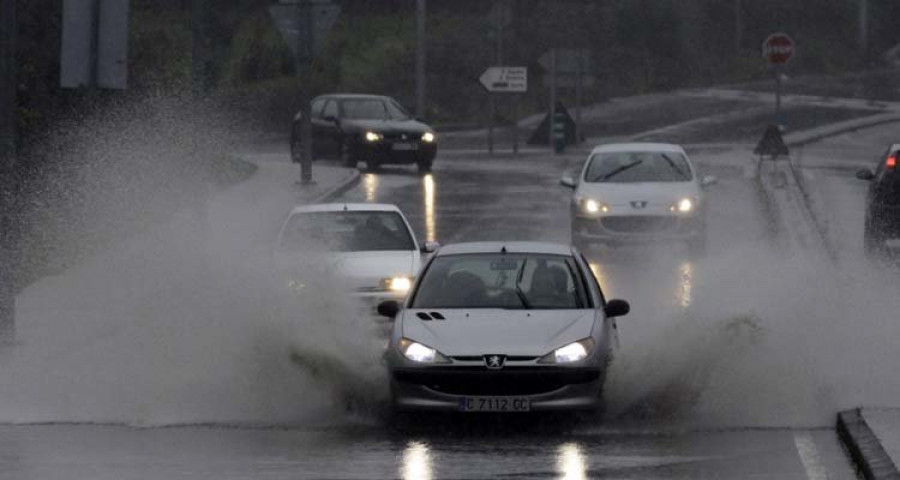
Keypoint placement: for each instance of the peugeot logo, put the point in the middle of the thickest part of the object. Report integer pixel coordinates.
(638, 205)
(494, 362)
(403, 137)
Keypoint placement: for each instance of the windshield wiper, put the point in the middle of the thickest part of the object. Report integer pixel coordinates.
(672, 164)
(621, 169)
(519, 291)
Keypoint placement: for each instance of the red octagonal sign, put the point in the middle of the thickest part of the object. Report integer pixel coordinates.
(778, 49)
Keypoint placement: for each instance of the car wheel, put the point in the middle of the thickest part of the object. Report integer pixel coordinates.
(424, 166)
(372, 164)
(347, 158)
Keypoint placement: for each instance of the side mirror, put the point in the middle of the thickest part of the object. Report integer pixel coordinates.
(388, 308)
(865, 174)
(567, 181)
(615, 308)
(430, 247)
(708, 180)
(330, 118)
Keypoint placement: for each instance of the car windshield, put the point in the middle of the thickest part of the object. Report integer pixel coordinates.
(364, 109)
(396, 112)
(508, 281)
(633, 167)
(346, 231)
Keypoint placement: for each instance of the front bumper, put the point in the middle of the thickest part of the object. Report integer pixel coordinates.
(633, 229)
(444, 389)
(388, 151)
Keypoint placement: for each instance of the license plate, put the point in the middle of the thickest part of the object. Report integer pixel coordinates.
(405, 146)
(495, 404)
(892, 243)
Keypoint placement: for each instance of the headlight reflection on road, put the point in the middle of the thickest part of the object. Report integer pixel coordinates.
(686, 284)
(416, 462)
(430, 223)
(571, 462)
(370, 185)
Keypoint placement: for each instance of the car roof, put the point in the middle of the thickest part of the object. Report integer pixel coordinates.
(467, 248)
(347, 207)
(639, 146)
(352, 96)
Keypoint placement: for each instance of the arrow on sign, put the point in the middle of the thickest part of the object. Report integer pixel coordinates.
(505, 79)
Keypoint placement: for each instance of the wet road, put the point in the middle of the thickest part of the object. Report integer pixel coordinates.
(662, 422)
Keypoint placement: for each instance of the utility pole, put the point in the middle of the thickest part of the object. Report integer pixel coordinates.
(492, 107)
(200, 12)
(864, 28)
(7, 164)
(738, 26)
(420, 58)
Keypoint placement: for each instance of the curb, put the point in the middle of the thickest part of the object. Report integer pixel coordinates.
(864, 447)
(342, 187)
(821, 133)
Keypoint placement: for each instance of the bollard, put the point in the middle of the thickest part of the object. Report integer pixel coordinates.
(559, 132)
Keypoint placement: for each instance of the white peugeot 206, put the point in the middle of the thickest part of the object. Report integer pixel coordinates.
(636, 193)
(502, 327)
(367, 250)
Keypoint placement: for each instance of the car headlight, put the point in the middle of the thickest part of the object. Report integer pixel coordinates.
(417, 352)
(396, 284)
(573, 352)
(374, 137)
(427, 137)
(685, 205)
(593, 207)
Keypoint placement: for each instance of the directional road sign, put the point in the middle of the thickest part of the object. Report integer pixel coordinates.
(505, 79)
(567, 61)
(778, 49)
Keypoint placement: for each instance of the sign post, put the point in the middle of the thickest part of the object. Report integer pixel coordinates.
(777, 50)
(504, 80)
(304, 25)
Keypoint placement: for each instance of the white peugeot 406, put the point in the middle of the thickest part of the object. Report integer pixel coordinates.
(502, 327)
(638, 192)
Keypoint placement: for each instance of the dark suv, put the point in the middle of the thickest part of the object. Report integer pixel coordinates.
(371, 128)
(882, 227)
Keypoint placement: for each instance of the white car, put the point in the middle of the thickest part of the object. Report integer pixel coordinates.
(367, 249)
(502, 327)
(637, 192)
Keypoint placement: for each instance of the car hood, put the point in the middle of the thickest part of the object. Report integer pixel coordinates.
(507, 332)
(655, 193)
(385, 126)
(356, 269)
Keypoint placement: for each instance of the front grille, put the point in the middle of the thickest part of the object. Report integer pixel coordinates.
(476, 358)
(640, 224)
(510, 381)
(398, 137)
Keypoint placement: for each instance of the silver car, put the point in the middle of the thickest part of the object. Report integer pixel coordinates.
(502, 327)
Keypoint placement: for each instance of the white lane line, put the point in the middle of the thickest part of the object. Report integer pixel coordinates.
(809, 455)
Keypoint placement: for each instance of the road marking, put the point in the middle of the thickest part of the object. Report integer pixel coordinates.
(809, 455)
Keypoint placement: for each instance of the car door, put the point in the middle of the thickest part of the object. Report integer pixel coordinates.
(325, 130)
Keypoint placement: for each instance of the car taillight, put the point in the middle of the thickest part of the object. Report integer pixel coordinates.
(891, 161)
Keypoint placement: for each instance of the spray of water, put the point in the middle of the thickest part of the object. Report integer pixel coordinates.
(171, 309)
(771, 341)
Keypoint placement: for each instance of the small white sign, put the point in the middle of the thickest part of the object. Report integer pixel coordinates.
(505, 79)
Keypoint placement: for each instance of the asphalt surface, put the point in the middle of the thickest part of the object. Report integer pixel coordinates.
(671, 409)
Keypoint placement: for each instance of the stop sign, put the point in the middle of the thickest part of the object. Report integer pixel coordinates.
(778, 49)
